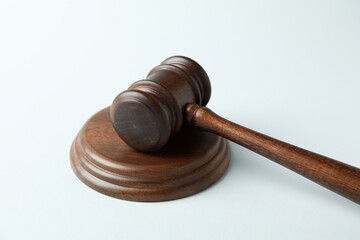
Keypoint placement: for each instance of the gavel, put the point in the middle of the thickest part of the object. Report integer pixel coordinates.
(152, 111)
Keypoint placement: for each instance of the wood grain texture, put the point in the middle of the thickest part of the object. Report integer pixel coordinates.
(191, 162)
(339, 177)
(150, 112)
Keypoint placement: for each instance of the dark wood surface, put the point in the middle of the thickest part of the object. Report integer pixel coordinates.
(189, 163)
(332, 174)
(151, 112)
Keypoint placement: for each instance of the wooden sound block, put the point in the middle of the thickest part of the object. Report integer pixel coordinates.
(188, 164)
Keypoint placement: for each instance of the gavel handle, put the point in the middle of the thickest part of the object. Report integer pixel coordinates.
(339, 177)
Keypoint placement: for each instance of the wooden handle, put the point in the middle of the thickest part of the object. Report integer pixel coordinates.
(339, 177)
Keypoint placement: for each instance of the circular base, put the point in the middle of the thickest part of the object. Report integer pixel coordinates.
(188, 164)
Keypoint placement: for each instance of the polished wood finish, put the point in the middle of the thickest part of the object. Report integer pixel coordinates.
(332, 174)
(189, 163)
(151, 111)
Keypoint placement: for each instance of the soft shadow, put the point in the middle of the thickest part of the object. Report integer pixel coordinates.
(242, 161)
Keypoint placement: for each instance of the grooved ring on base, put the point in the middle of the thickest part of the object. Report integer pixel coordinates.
(191, 162)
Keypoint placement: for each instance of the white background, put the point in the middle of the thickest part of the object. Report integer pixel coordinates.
(289, 69)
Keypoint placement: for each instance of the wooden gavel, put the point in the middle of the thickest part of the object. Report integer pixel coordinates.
(152, 111)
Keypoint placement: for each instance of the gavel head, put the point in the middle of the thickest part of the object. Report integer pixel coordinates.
(150, 112)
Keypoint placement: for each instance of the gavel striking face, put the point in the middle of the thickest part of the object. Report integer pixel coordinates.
(153, 110)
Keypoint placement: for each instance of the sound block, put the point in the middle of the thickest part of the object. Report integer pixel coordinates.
(189, 163)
